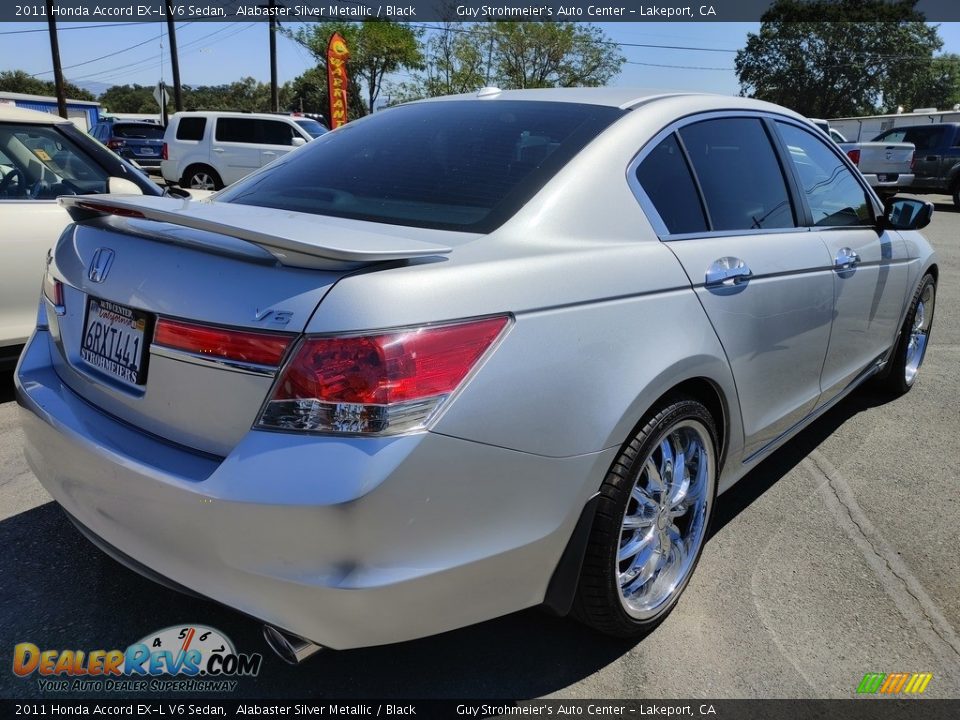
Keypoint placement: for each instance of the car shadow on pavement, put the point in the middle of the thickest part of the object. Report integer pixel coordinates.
(59, 591)
(767, 473)
(6, 386)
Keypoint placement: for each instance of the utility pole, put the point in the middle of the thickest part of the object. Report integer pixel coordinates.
(174, 60)
(57, 68)
(274, 93)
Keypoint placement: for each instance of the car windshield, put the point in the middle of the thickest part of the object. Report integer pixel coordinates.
(460, 165)
(313, 128)
(142, 131)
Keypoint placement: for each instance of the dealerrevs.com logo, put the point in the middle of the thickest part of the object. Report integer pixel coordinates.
(187, 658)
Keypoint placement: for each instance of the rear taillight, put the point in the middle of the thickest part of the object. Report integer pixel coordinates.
(164, 152)
(913, 162)
(380, 384)
(115, 144)
(217, 343)
(854, 155)
(52, 290)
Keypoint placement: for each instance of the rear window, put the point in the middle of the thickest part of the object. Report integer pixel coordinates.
(139, 132)
(461, 165)
(191, 128)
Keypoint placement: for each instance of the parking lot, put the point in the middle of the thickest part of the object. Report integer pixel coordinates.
(838, 556)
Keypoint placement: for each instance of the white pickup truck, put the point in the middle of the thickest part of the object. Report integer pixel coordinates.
(887, 166)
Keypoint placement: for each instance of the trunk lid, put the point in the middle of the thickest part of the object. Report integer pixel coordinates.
(182, 271)
(883, 158)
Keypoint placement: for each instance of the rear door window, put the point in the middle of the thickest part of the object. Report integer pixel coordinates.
(665, 177)
(191, 128)
(741, 179)
(239, 130)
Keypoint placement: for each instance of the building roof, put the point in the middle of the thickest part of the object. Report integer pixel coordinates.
(4, 95)
(12, 113)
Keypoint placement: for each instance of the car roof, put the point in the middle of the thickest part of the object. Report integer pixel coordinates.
(11, 113)
(225, 113)
(619, 97)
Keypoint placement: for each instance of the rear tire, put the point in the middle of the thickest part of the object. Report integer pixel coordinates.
(956, 195)
(904, 364)
(651, 521)
(201, 177)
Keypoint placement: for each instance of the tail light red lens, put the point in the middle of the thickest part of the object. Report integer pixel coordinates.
(164, 153)
(52, 290)
(854, 155)
(913, 162)
(377, 384)
(241, 346)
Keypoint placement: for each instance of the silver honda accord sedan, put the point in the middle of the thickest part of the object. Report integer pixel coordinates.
(465, 356)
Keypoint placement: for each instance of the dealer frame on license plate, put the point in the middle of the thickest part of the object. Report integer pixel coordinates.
(115, 339)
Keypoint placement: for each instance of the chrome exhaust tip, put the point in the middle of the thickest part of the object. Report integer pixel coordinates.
(290, 648)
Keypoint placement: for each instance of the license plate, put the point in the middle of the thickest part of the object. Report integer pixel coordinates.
(887, 178)
(148, 151)
(114, 337)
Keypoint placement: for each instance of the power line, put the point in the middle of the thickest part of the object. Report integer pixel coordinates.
(65, 27)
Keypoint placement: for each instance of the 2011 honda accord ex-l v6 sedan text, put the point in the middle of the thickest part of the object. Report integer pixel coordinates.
(464, 356)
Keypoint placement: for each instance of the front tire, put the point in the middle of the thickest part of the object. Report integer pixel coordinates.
(651, 521)
(914, 339)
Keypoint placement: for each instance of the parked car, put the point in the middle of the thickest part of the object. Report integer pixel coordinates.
(43, 156)
(380, 390)
(937, 166)
(887, 166)
(833, 134)
(208, 150)
(140, 142)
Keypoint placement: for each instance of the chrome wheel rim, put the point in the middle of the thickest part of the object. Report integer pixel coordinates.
(665, 520)
(202, 181)
(919, 334)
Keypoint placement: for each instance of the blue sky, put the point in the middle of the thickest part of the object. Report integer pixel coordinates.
(216, 53)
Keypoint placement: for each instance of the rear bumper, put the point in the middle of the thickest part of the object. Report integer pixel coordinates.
(347, 542)
(891, 182)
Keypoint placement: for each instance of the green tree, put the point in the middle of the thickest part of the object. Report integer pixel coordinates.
(129, 99)
(19, 81)
(462, 58)
(377, 48)
(925, 84)
(830, 58)
(553, 54)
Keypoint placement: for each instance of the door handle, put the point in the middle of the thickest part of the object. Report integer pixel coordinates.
(269, 152)
(845, 259)
(218, 149)
(727, 271)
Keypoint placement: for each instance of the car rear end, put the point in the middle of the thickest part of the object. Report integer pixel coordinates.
(140, 142)
(181, 402)
(888, 167)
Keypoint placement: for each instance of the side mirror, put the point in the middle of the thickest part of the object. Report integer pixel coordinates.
(122, 186)
(298, 141)
(906, 214)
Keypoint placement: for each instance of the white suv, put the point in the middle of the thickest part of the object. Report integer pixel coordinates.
(208, 150)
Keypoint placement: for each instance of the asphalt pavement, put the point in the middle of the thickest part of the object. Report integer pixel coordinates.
(838, 556)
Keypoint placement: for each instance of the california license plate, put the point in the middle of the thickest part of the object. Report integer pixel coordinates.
(148, 151)
(114, 337)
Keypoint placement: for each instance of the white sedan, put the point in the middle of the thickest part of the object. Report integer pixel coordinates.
(43, 156)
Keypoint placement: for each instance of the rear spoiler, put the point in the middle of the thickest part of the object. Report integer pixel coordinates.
(294, 239)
